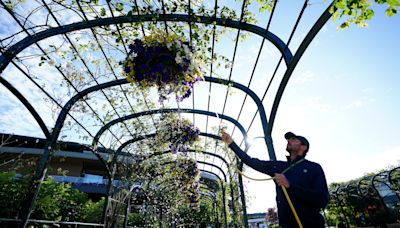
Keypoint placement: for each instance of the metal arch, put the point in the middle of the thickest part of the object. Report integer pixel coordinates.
(207, 194)
(211, 154)
(224, 175)
(194, 151)
(210, 192)
(371, 194)
(142, 137)
(366, 181)
(222, 186)
(213, 201)
(264, 121)
(202, 134)
(27, 105)
(230, 186)
(46, 54)
(190, 150)
(170, 110)
(203, 22)
(386, 175)
(375, 179)
(296, 58)
(215, 166)
(261, 110)
(74, 99)
(349, 189)
(10, 53)
(152, 135)
(165, 188)
(360, 193)
(342, 191)
(206, 163)
(223, 194)
(335, 193)
(391, 179)
(61, 118)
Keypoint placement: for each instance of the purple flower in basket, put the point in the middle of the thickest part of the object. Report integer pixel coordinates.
(164, 61)
(179, 134)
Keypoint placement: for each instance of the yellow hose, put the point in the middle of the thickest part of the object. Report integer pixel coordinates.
(291, 206)
(283, 189)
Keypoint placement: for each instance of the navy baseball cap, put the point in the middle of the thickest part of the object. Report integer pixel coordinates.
(302, 139)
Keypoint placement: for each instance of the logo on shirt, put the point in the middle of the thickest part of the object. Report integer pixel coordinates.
(305, 170)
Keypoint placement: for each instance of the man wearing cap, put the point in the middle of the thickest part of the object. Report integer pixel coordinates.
(304, 180)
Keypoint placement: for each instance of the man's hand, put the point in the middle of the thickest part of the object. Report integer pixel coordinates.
(226, 137)
(280, 179)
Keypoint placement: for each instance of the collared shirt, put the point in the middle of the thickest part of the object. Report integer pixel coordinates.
(308, 189)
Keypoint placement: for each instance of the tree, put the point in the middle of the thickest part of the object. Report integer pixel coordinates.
(271, 216)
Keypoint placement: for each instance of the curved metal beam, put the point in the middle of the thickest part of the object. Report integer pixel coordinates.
(391, 179)
(261, 110)
(27, 105)
(190, 150)
(335, 194)
(193, 151)
(222, 188)
(296, 58)
(223, 194)
(142, 137)
(10, 53)
(377, 178)
(170, 110)
(210, 191)
(215, 166)
(268, 140)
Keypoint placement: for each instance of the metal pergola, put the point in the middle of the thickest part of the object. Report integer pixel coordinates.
(35, 28)
(357, 200)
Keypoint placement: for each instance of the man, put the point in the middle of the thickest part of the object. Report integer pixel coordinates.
(304, 180)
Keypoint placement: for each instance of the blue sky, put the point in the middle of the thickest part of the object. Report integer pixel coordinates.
(343, 95)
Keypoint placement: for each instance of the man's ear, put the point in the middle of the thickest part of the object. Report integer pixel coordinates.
(304, 148)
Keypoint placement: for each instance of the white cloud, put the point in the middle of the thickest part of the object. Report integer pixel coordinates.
(342, 165)
(16, 120)
(305, 77)
(272, 51)
(365, 100)
(355, 104)
(316, 103)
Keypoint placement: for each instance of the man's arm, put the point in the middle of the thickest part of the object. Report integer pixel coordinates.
(267, 167)
(317, 195)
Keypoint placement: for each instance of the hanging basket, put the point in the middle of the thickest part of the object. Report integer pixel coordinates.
(165, 62)
(179, 134)
(191, 185)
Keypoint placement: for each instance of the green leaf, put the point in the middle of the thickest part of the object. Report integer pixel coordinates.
(120, 6)
(340, 4)
(393, 2)
(344, 25)
(102, 12)
(369, 14)
(390, 12)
